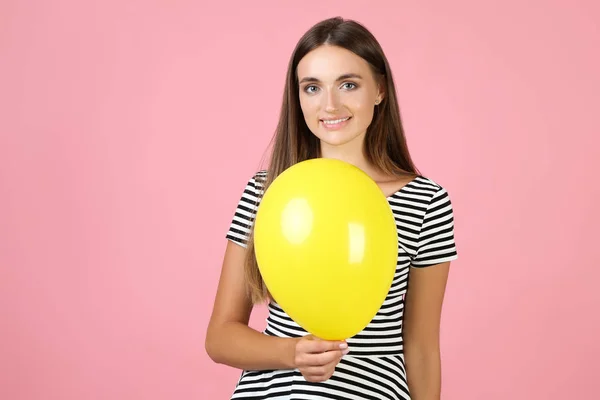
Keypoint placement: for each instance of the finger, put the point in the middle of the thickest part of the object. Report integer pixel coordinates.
(320, 373)
(315, 371)
(321, 346)
(318, 359)
(317, 376)
(326, 358)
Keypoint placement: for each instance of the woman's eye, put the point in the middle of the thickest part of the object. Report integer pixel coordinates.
(313, 89)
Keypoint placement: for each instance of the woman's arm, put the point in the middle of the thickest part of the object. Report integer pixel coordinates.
(422, 330)
(229, 339)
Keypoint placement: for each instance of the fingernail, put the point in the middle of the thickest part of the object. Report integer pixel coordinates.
(346, 351)
(343, 345)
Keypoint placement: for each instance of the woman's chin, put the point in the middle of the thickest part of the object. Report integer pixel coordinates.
(338, 138)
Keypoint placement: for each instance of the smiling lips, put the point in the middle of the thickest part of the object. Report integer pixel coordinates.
(333, 124)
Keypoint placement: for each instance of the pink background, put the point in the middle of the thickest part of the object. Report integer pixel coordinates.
(129, 128)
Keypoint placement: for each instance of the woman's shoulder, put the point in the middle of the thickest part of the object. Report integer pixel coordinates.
(261, 175)
(409, 183)
(432, 193)
(425, 189)
(259, 178)
(256, 182)
(426, 183)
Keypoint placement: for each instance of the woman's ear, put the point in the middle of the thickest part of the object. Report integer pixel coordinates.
(380, 90)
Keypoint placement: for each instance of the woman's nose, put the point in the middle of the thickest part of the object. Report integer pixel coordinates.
(331, 101)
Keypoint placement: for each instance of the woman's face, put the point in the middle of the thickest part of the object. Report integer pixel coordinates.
(338, 94)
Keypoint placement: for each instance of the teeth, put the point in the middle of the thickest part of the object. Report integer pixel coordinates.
(336, 121)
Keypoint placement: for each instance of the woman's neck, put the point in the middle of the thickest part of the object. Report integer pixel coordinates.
(351, 153)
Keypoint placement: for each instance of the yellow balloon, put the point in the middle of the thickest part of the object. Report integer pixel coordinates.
(326, 245)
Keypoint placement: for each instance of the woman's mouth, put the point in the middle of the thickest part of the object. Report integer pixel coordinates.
(335, 124)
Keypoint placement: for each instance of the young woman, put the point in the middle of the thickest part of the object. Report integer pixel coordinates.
(340, 102)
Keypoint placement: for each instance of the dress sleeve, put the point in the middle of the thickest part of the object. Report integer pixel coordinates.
(245, 212)
(436, 238)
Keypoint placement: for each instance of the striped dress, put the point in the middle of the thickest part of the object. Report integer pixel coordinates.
(374, 368)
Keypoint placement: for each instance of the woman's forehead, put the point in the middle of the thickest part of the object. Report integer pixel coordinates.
(329, 63)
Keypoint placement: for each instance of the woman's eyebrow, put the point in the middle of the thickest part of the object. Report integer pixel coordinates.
(340, 78)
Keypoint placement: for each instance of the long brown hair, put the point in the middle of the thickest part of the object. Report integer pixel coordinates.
(293, 142)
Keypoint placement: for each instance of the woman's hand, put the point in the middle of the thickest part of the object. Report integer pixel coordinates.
(316, 359)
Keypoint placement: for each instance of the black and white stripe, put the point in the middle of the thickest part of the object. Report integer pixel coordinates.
(374, 368)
